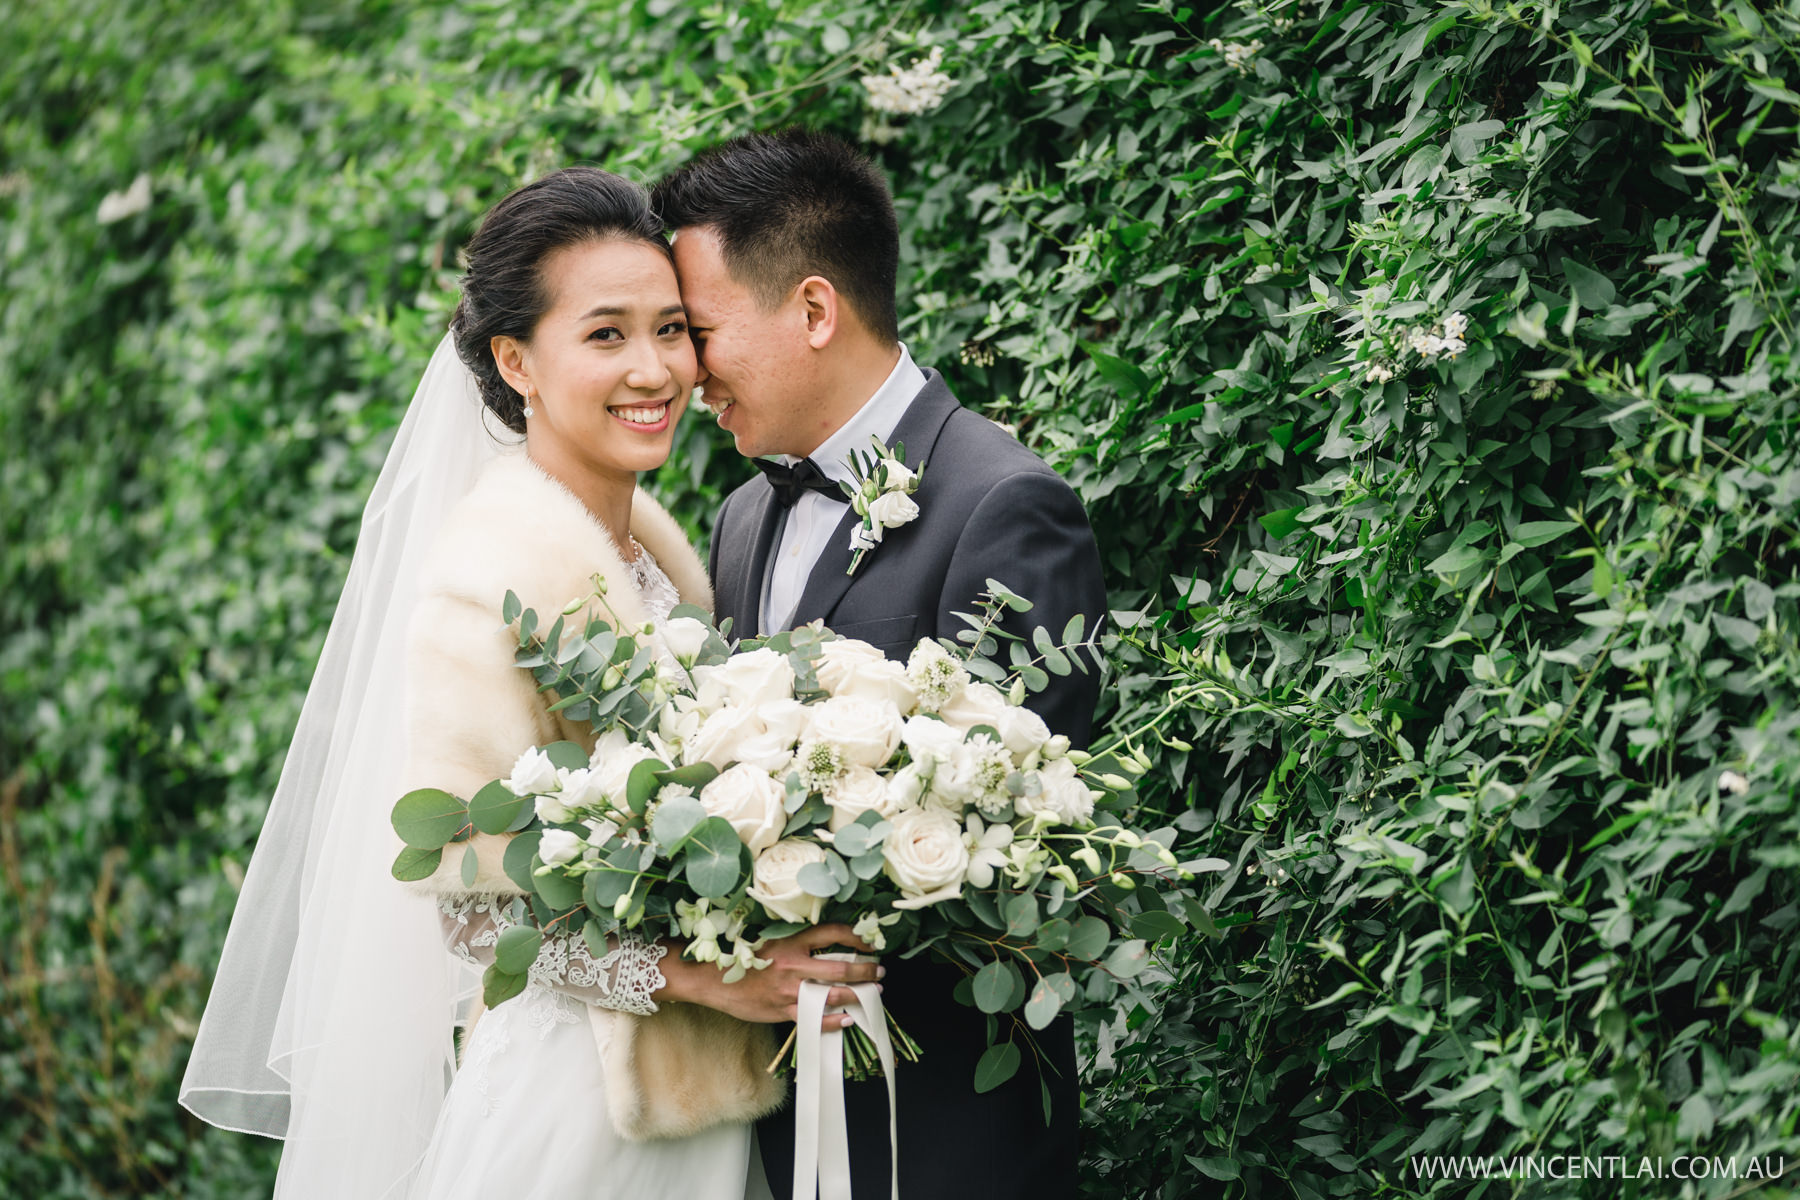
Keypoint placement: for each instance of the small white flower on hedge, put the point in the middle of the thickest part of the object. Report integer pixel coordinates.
(908, 91)
(1238, 55)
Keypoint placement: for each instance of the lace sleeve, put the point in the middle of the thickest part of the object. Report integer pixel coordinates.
(626, 978)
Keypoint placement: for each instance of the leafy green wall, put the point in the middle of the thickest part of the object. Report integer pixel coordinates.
(1486, 655)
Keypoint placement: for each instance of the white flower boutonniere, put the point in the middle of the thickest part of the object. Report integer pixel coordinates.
(881, 493)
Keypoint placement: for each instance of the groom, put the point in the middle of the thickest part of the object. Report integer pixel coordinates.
(787, 250)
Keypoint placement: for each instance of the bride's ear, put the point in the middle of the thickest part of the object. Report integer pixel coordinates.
(509, 356)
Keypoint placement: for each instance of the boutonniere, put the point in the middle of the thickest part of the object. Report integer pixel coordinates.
(880, 490)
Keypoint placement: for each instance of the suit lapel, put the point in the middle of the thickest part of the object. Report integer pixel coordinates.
(743, 572)
(918, 428)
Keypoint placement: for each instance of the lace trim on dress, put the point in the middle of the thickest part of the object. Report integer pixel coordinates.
(654, 588)
(625, 979)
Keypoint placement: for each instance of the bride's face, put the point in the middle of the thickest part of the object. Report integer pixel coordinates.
(610, 364)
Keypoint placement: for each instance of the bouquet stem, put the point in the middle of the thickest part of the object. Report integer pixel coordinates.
(860, 1058)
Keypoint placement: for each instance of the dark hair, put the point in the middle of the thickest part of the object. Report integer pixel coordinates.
(503, 290)
(791, 204)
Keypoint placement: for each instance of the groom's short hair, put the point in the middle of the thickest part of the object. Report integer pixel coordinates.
(792, 204)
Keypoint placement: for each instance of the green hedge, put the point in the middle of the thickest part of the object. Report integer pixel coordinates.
(1486, 656)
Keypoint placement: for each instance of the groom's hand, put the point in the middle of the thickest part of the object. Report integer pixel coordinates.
(773, 993)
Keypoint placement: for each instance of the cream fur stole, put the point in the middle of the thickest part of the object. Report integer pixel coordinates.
(471, 713)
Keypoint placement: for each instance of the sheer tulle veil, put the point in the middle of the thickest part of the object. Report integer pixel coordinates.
(331, 1018)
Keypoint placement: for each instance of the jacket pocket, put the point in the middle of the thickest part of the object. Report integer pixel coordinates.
(893, 636)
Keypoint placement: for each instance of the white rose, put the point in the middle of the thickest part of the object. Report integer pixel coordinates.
(532, 774)
(929, 741)
(1022, 730)
(926, 857)
(860, 790)
(775, 881)
(1062, 793)
(751, 801)
(559, 846)
(754, 678)
(719, 736)
(685, 637)
(891, 510)
(867, 731)
(763, 736)
(851, 668)
(977, 704)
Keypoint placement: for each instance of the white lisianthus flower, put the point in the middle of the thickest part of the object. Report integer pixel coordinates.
(851, 668)
(929, 741)
(925, 857)
(867, 732)
(1057, 747)
(580, 788)
(905, 787)
(978, 704)
(891, 510)
(679, 721)
(987, 845)
(684, 638)
(863, 538)
(775, 881)
(532, 774)
(748, 798)
(613, 757)
(937, 677)
(1734, 783)
(559, 846)
(857, 791)
(551, 809)
(600, 831)
(1062, 794)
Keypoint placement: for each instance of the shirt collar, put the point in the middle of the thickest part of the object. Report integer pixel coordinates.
(876, 419)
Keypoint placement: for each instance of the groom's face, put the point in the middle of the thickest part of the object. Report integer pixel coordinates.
(755, 362)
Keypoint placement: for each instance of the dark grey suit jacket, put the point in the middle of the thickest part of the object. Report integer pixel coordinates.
(988, 508)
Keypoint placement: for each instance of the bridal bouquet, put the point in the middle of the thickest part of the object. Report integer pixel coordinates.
(736, 797)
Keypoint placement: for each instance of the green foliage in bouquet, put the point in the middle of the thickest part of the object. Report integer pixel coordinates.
(1047, 902)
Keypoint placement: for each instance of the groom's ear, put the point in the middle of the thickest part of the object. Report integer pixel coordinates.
(819, 308)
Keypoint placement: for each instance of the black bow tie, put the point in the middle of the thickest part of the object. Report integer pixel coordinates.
(803, 476)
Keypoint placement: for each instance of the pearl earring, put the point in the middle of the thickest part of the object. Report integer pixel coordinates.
(528, 404)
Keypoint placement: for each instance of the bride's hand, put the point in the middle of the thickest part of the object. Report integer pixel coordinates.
(772, 993)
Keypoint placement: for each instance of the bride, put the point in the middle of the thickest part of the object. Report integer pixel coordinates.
(331, 1022)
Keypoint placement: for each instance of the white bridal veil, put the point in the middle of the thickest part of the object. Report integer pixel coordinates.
(331, 1017)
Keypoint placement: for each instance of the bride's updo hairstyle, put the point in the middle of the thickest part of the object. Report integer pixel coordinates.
(503, 291)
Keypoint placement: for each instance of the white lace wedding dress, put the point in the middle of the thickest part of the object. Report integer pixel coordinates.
(525, 1117)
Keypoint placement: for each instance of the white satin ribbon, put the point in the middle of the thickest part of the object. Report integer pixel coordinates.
(821, 1137)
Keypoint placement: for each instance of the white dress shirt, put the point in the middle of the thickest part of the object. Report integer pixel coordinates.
(810, 523)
